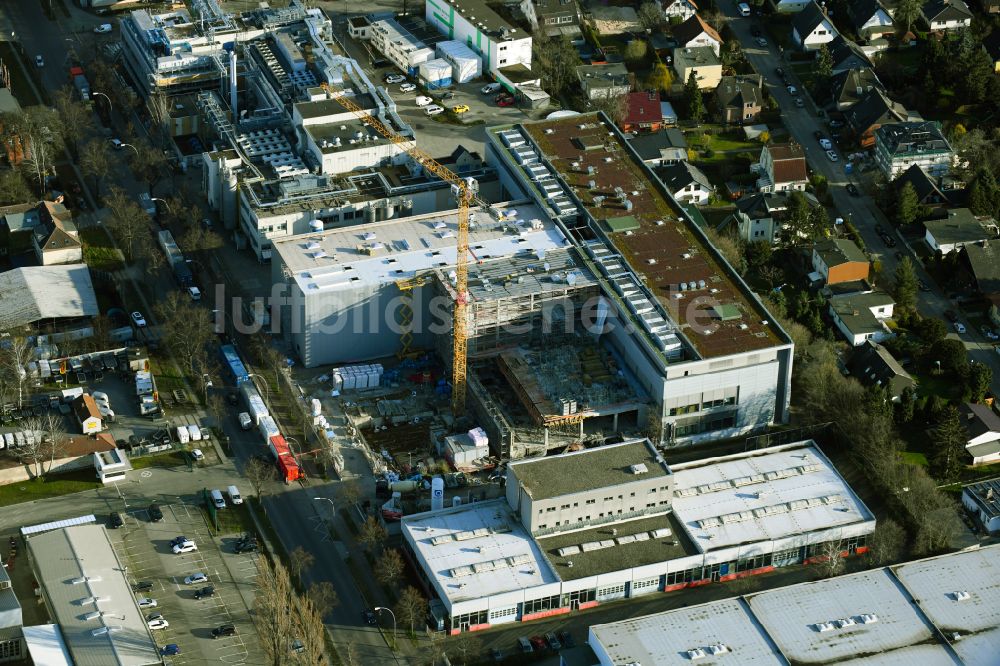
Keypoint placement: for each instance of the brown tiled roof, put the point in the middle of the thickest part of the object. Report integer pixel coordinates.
(789, 162)
(693, 27)
(85, 407)
(82, 445)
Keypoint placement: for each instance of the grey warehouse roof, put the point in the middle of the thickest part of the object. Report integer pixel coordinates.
(45, 292)
(90, 599)
(601, 467)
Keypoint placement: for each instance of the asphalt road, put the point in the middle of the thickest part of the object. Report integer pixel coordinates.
(861, 210)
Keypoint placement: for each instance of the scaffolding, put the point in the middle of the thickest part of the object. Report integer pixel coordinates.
(406, 288)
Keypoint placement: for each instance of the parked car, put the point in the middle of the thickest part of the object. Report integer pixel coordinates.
(449, 94)
(185, 547)
(525, 645)
(761, 42)
(205, 592)
(115, 520)
(170, 650)
(407, 87)
(394, 78)
(539, 643)
(369, 616)
(505, 101)
(146, 602)
(553, 642)
(158, 623)
(194, 432)
(922, 285)
(490, 88)
(832, 155)
(800, 103)
(836, 124)
(423, 100)
(250, 547)
(567, 639)
(224, 630)
(39, 61)
(155, 514)
(497, 655)
(178, 540)
(197, 454)
(103, 28)
(460, 108)
(142, 586)
(825, 144)
(195, 578)
(852, 189)
(792, 91)
(433, 110)
(779, 71)
(138, 319)
(959, 327)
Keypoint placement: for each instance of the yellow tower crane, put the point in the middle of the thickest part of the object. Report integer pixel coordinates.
(465, 191)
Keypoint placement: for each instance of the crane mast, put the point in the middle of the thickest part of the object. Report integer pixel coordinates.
(464, 190)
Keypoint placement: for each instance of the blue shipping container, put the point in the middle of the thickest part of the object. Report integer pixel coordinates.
(235, 365)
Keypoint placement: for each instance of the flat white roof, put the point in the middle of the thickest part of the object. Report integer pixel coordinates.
(807, 622)
(46, 645)
(938, 585)
(668, 638)
(384, 252)
(477, 550)
(762, 495)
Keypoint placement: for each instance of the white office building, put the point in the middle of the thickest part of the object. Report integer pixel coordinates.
(472, 22)
(614, 522)
(399, 46)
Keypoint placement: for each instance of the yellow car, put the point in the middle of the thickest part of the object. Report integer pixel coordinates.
(461, 108)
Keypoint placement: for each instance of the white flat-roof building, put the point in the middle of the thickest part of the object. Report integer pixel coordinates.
(397, 44)
(618, 538)
(983, 500)
(942, 610)
(473, 22)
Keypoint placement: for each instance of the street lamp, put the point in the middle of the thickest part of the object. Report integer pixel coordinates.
(136, 150)
(110, 107)
(164, 202)
(333, 507)
(378, 609)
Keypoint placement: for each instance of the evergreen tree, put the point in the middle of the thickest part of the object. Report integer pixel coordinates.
(980, 378)
(984, 194)
(950, 437)
(695, 103)
(823, 66)
(907, 12)
(906, 284)
(907, 205)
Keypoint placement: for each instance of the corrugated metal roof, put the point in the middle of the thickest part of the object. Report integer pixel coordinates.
(45, 292)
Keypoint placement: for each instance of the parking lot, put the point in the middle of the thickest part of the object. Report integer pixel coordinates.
(145, 547)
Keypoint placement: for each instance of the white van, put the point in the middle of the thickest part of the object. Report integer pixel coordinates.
(195, 432)
(195, 293)
(217, 499)
(744, 9)
(182, 435)
(234, 495)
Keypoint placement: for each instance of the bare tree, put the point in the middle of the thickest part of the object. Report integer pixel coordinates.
(54, 437)
(411, 607)
(831, 559)
(887, 542)
(187, 329)
(372, 533)
(258, 473)
(271, 606)
(33, 450)
(128, 220)
(95, 162)
(299, 560)
(389, 567)
(434, 652)
(351, 491)
(651, 15)
(39, 130)
(149, 164)
(323, 596)
(150, 252)
(75, 116)
(615, 106)
(15, 354)
(309, 628)
(461, 646)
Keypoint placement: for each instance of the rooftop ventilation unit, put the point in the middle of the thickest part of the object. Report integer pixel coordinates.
(961, 595)
(639, 468)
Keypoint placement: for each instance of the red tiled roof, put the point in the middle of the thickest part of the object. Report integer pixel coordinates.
(643, 107)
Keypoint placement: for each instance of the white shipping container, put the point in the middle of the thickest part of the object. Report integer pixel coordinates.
(183, 436)
(435, 71)
(268, 428)
(465, 64)
(361, 382)
(349, 381)
(338, 381)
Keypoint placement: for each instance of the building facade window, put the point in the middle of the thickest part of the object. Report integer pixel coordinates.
(470, 619)
(500, 613)
(540, 605)
(611, 592)
(648, 584)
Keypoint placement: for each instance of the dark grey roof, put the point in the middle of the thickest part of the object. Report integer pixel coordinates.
(875, 108)
(837, 251)
(979, 419)
(809, 19)
(946, 10)
(861, 11)
(761, 205)
(872, 364)
(847, 55)
(984, 262)
(900, 139)
(740, 90)
(649, 145)
(680, 175)
(924, 186)
(850, 85)
(960, 226)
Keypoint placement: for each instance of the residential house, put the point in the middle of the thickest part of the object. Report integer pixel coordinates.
(87, 414)
(849, 86)
(926, 188)
(870, 19)
(958, 229)
(682, 9)
(55, 239)
(782, 168)
(687, 183)
(642, 113)
(661, 148)
(991, 44)
(739, 99)
(946, 15)
(862, 317)
(874, 110)
(701, 61)
(898, 146)
(359, 27)
(846, 55)
(462, 160)
(990, 6)
(811, 28)
(839, 260)
(695, 32)
(873, 365)
(605, 80)
(982, 261)
(982, 428)
(758, 217)
(555, 17)
(790, 6)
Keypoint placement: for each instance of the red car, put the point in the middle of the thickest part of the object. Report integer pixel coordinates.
(539, 643)
(505, 101)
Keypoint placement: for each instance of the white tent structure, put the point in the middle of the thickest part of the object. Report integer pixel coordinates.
(465, 64)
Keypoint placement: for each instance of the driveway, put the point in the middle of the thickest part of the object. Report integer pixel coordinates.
(861, 211)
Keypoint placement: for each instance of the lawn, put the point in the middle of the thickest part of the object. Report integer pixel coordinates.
(167, 459)
(98, 253)
(914, 458)
(53, 485)
(234, 519)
